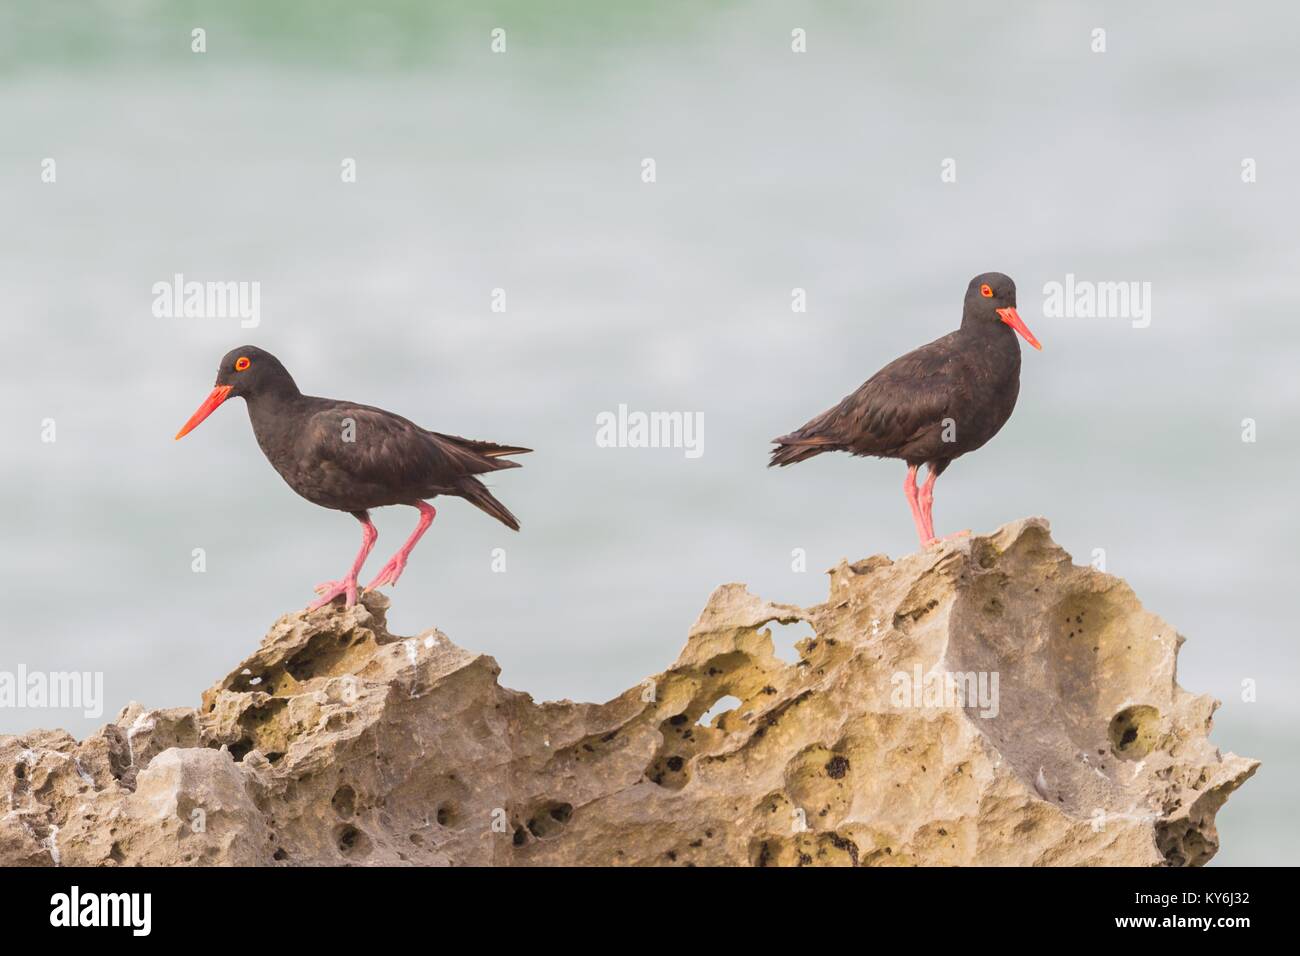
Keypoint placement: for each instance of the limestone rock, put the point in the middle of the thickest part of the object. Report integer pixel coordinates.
(983, 702)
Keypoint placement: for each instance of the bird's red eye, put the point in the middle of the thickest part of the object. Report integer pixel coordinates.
(984, 291)
(242, 362)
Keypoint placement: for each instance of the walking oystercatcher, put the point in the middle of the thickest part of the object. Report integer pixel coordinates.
(932, 405)
(352, 457)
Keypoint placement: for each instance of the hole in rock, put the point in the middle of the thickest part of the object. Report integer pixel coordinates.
(786, 636)
(351, 841)
(1133, 731)
(720, 706)
(240, 748)
(549, 819)
(344, 802)
(324, 655)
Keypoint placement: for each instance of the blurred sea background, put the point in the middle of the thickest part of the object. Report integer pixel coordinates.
(522, 171)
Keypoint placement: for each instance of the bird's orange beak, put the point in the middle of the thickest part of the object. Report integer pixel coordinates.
(215, 398)
(1012, 318)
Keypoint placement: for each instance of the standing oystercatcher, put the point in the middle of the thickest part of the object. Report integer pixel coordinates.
(932, 405)
(353, 457)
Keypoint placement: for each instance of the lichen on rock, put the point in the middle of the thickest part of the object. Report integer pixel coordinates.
(985, 701)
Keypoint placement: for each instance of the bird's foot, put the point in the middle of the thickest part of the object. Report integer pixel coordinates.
(947, 537)
(329, 590)
(388, 574)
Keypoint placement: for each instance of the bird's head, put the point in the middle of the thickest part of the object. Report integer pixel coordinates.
(991, 297)
(245, 372)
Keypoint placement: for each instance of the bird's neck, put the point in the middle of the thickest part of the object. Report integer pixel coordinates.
(272, 415)
(281, 389)
(990, 332)
(271, 403)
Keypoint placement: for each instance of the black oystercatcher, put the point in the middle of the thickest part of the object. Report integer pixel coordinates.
(353, 457)
(932, 405)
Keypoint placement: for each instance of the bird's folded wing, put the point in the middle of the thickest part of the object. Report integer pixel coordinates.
(893, 407)
(369, 444)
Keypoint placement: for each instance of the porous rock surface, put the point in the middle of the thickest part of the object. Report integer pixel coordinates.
(339, 743)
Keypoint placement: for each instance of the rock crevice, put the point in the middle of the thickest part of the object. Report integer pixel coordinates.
(983, 702)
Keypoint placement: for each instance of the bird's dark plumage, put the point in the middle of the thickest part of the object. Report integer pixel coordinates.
(964, 383)
(353, 457)
(935, 403)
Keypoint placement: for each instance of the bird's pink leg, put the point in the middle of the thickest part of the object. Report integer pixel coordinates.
(348, 586)
(926, 500)
(909, 488)
(391, 571)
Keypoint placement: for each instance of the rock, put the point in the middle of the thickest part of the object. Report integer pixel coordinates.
(983, 702)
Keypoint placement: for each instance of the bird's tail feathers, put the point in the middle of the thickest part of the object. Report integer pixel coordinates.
(478, 457)
(795, 447)
(476, 493)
